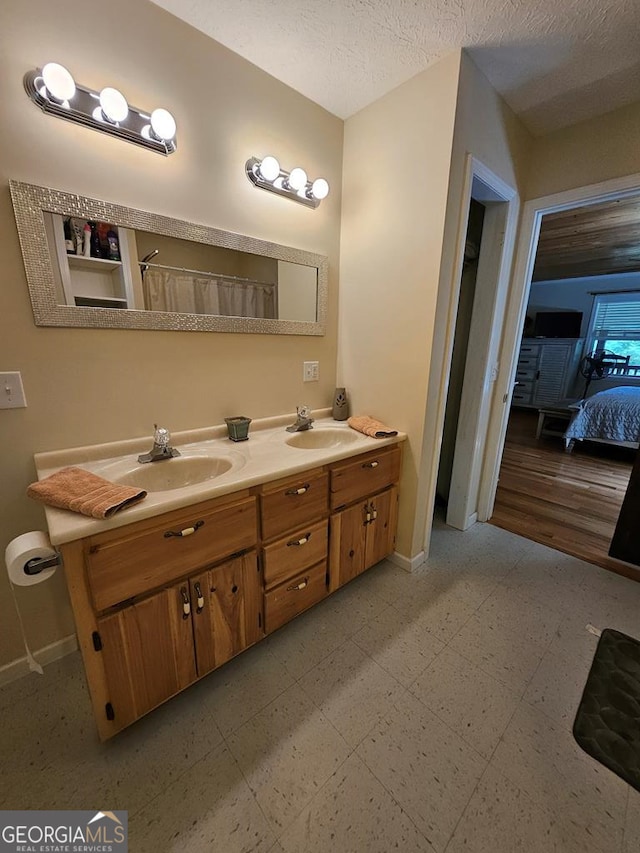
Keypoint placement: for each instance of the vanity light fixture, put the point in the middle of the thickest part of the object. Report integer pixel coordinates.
(54, 90)
(268, 175)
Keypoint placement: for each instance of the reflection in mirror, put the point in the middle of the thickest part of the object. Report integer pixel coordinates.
(90, 263)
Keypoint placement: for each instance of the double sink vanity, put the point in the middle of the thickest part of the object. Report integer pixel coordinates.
(232, 541)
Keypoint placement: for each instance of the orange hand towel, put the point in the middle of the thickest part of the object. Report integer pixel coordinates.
(84, 492)
(370, 426)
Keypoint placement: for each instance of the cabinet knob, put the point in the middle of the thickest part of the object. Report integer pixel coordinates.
(372, 464)
(298, 586)
(296, 542)
(299, 491)
(186, 603)
(200, 598)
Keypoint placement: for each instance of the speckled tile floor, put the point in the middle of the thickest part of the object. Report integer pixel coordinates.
(422, 712)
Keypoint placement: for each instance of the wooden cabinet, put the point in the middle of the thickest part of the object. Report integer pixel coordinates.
(362, 535)
(124, 563)
(363, 532)
(147, 654)
(162, 602)
(157, 646)
(226, 609)
(547, 370)
(295, 526)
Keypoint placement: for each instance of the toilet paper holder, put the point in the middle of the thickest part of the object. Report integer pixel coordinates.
(38, 564)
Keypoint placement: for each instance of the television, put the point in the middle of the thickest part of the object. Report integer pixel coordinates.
(557, 324)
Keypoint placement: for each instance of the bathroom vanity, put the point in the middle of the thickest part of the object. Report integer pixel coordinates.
(168, 590)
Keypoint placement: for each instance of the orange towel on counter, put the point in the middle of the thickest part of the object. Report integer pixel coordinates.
(81, 491)
(370, 426)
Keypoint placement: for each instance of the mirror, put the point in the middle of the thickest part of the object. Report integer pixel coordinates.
(91, 263)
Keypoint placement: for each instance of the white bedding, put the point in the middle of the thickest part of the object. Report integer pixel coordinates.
(612, 415)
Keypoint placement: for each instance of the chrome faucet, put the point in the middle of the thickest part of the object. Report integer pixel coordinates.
(161, 448)
(303, 420)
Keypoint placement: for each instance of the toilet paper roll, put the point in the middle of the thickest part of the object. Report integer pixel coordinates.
(23, 548)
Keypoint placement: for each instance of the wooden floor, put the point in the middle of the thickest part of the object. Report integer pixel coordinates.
(569, 501)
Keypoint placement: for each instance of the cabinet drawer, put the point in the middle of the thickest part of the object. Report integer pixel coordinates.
(524, 374)
(529, 349)
(522, 394)
(370, 473)
(298, 550)
(284, 602)
(295, 501)
(149, 554)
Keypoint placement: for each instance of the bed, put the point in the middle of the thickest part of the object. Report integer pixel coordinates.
(611, 416)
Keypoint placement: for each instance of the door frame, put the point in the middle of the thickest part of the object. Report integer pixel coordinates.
(439, 383)
(481, 366)
(526, 249)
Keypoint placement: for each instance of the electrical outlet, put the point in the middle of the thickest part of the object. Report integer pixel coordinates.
(11, 391)
(310, 371)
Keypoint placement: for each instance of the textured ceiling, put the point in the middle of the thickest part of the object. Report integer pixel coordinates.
(555, 62)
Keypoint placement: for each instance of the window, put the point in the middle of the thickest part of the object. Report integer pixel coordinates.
(615, 327)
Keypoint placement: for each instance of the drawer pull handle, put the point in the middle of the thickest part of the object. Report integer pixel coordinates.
(186, 532)
(302, 541)
(200, 598)
(186, 604)
(299, 491)
(372, 464)
(298, 586)
(370, 513)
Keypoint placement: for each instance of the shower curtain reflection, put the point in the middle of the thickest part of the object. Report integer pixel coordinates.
(166, 290)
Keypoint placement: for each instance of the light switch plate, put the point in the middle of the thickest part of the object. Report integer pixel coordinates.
(310, 371)
(11, 391)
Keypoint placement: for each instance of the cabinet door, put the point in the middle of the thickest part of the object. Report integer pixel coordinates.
(227, 617)
(552, 374)
(381, 528)
(348, 544)
(148, 653)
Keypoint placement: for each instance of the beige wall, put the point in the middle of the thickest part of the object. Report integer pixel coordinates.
(487, 129)
(86, 386)
(396, 170)
(596, 150)
(404, 165)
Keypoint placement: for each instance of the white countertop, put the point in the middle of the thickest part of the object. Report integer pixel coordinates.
(264, 457)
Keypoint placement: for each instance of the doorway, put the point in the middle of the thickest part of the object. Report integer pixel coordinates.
(484, 264)
(533, 213)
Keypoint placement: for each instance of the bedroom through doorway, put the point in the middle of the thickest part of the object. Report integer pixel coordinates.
(581, 337)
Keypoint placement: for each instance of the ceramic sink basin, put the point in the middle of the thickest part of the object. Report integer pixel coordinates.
(314, 439)
(173, 473)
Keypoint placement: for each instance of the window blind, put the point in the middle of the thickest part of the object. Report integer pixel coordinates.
(616, 317)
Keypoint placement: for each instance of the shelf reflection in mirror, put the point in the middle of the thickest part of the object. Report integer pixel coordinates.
(145, 271)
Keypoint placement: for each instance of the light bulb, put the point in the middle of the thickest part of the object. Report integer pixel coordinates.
(113, 104)
(297, 179)
(163, 124)
(58, 81)
(269, 168)
(320, 188)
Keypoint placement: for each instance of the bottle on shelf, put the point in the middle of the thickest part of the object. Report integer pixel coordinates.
(94, 240)
(77, 227)
(103, 232)
(114, 247)
(87, 240)
(68, 237)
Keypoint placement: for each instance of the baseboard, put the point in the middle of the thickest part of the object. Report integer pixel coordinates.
(409, 564)
(47, 654)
